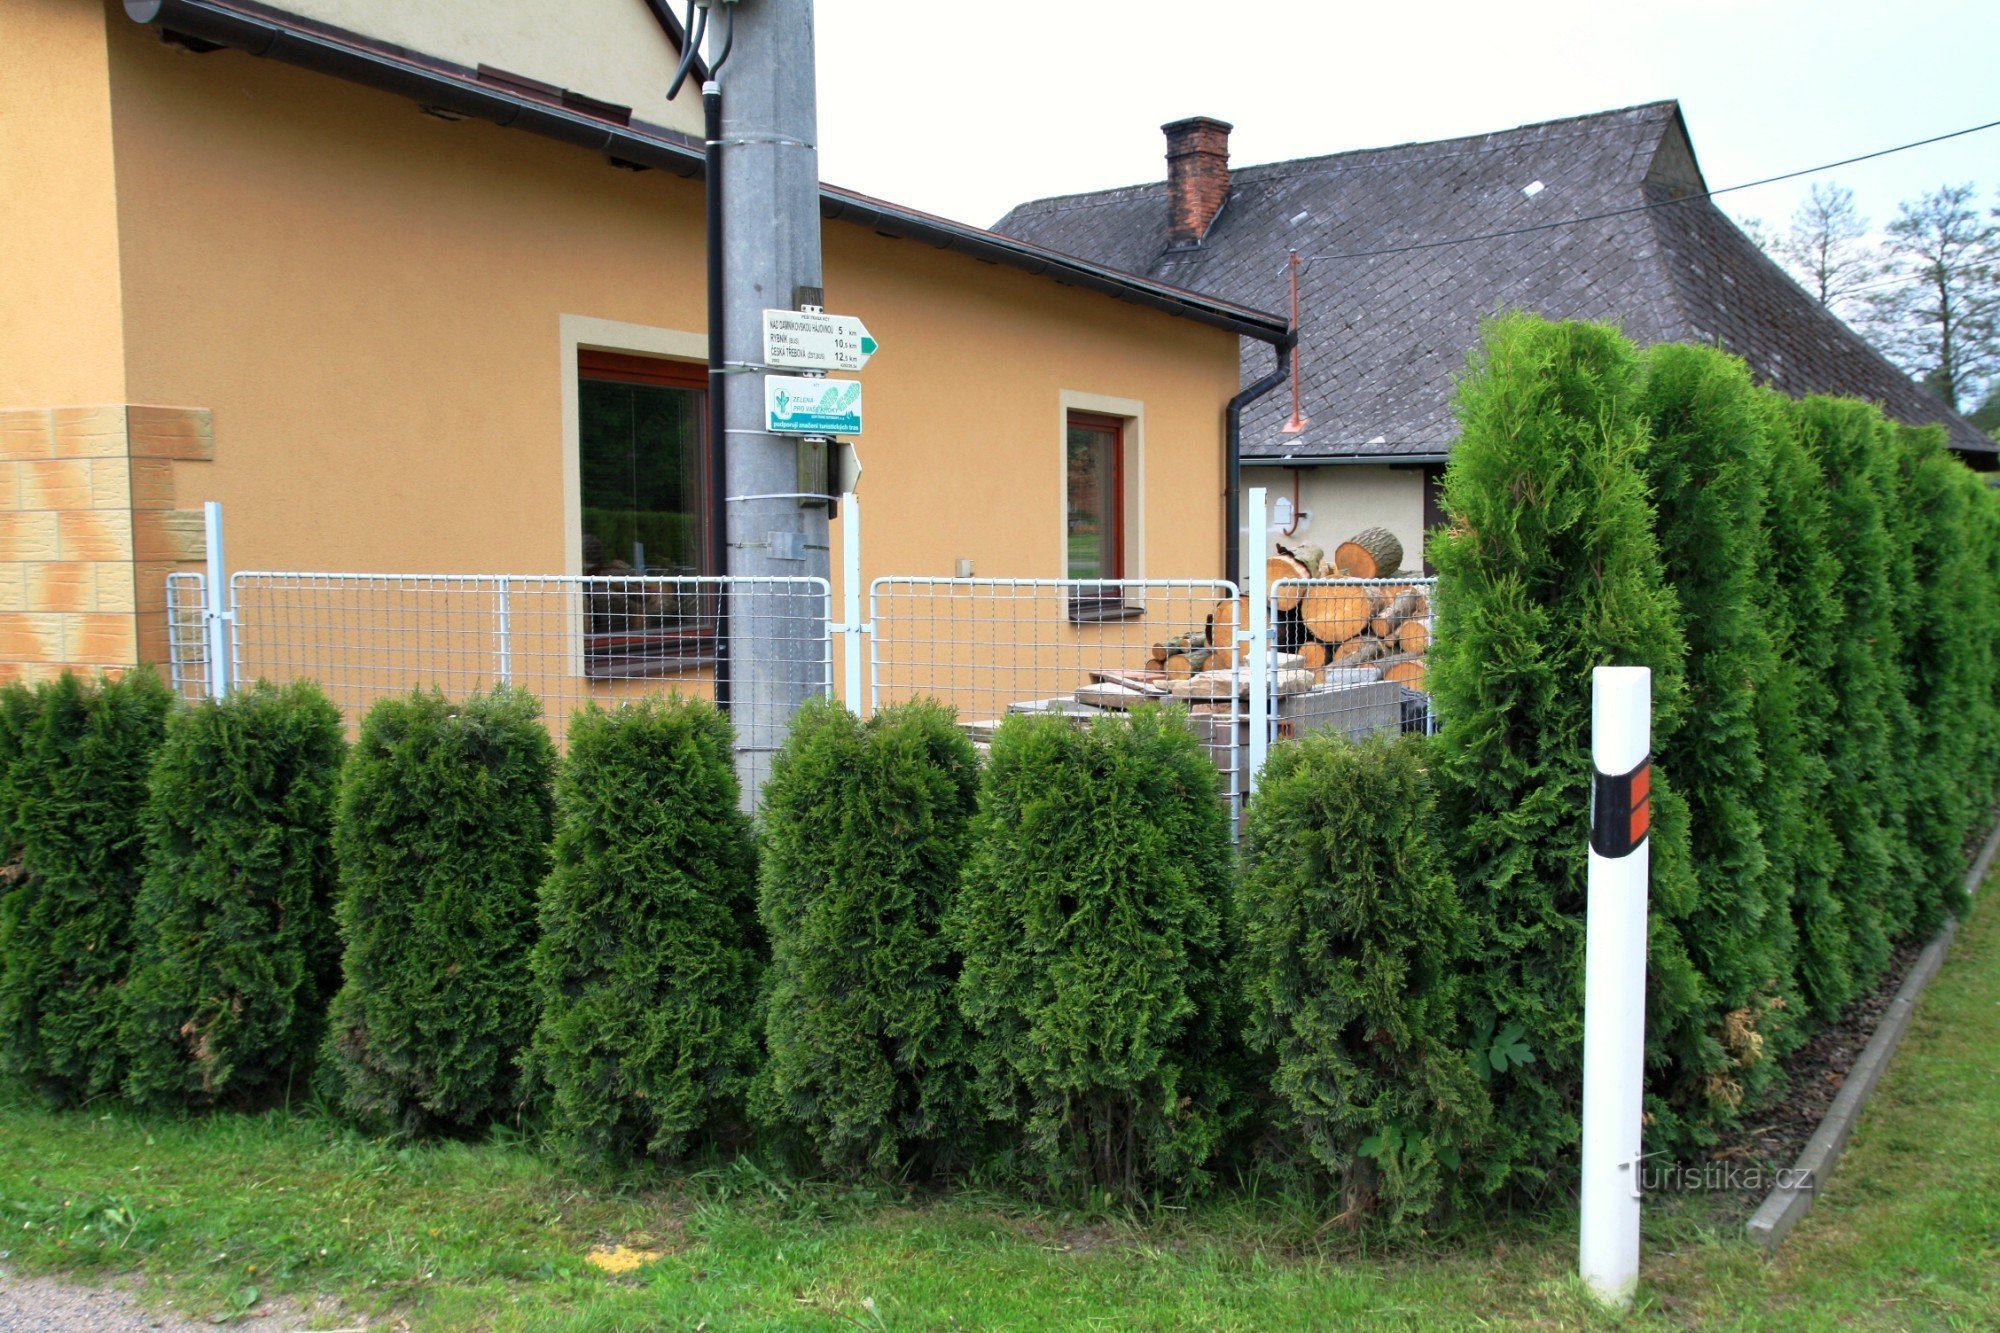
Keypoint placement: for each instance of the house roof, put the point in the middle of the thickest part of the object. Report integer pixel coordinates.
(575, 118)
(1390, 307)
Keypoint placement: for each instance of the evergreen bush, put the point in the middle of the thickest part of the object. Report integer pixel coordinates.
(1845, 439)
(647, 966)
(17, 710)
(1707, 466)
(865, 836)
(1548, 569)
(1091, 922)
(235, 953)
(1796, 710)
(1354, 949)
(79, 784)
(1943, 662)
(442, 836)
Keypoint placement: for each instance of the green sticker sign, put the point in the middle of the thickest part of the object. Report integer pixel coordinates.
(796, 405)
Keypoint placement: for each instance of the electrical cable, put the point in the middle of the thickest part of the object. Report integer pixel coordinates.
(1646, 208)
(691, 33)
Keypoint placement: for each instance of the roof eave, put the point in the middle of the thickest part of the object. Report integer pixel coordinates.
(259, 30)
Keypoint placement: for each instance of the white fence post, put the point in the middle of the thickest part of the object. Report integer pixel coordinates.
(505, 608)
(850, 598)
(216, 619)
(1614, 985)
(1256, 639)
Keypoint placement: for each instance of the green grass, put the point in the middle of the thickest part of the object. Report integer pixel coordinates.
(218, 1214)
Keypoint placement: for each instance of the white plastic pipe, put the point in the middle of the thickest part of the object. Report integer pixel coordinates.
(216, 615)
(1254, 646)
(1614, 983)
(850, 597)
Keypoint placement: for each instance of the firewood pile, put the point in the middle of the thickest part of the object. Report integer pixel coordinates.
(1383, 625)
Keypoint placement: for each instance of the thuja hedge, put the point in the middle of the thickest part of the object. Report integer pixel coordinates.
(77, 788)
(236, 954)
(866, 827)
(646, 971)
(1550, 568)
(1352, 945)
(442, 834)
(1091, 921)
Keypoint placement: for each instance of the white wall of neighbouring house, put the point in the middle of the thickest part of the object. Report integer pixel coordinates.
(1340, 501)
(612, 50)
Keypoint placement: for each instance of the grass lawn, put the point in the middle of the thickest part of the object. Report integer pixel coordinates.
(219, 1214)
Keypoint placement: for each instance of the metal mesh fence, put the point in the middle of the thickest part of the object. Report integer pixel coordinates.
(568, 640)
(187, 639)
(990, 648)
(1349, 655)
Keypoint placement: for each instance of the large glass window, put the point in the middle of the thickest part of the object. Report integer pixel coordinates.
(1096, 497)
(641, 436)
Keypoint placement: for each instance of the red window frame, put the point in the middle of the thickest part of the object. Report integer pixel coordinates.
(650, 653)
(1115, 428)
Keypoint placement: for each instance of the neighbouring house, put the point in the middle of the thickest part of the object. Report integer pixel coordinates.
(419, 287)
(1404, 250)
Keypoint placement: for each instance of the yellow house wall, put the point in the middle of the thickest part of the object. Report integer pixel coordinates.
(60, 303)
(373, 305)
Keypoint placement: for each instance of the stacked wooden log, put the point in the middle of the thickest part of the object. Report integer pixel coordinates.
(1383, 625)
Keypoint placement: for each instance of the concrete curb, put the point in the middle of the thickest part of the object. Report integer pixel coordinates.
(1793, 1198)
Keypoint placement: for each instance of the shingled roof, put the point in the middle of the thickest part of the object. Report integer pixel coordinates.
(1387, 315)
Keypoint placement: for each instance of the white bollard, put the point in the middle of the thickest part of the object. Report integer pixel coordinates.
(1614, 982)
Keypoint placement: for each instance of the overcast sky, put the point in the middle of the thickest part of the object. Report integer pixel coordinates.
(965, 109)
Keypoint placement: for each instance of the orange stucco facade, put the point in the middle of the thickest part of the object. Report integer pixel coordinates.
(376, 312)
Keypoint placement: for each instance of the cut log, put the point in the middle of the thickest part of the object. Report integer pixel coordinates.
(1371, 553)
(1408, 603)
(1359, 650)
(1336, 614)
(1284, 570)
(1314, 655)
(1222, 627)
(1183, 664)
(1311, 555)
(1413, 636)
(1409, 672)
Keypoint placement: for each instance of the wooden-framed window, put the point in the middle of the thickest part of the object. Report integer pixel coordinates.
(1094, 534)
(641, 439)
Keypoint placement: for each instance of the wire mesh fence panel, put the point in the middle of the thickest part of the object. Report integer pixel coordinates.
(568, 640)
(992, 648)
(1349, 656)
(187, 633)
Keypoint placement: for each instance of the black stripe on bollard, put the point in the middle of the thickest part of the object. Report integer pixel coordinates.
(1621, 810)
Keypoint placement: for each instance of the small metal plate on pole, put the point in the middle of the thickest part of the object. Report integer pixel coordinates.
(814, 340)
(797, 405)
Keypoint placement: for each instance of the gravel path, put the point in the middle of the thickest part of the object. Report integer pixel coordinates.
(48, 1305)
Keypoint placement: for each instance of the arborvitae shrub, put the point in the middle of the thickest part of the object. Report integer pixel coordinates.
(235, 954)
(1549, 569)
(1844, 438)
(647, 966)
(66, 925)
(1707, 466)
(1943, 662)
(1091, 924)
(1796, 710)
(1353, 949)
(442, 835)
(17, 710)
(865, 834)
(1911, 770)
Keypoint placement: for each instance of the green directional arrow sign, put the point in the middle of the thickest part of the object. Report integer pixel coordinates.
(815, 340)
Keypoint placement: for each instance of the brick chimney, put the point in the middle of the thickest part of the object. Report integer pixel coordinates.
(1197, 177)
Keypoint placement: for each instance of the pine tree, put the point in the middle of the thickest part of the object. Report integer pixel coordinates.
(647, 965)
(1550, 568)
(865, 836)
(1091, 922)
(442, 835)
(79, 788)
(236, 954)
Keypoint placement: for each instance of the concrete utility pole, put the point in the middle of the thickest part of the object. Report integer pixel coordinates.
(771, 259)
